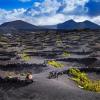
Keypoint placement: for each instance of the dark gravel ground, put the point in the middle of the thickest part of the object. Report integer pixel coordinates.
(45, 89)
(80, 43)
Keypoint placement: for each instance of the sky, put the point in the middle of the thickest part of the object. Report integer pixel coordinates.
(49, 12)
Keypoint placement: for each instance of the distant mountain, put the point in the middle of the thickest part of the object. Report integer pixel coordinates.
(16, 26)
(70, 25)
(89, 25)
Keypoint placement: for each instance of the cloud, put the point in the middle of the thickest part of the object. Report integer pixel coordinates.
(47, 7)
(96, 19)
(25, 0)
(45, 20)
(11, 15)
(74, 5)
(62, 6)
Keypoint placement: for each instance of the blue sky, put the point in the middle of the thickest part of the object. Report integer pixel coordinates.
(12, 4)
(49, 12)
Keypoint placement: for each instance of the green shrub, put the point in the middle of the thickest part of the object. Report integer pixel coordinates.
(25, 57)
(66, 54)
(55, 64)
(82, 80)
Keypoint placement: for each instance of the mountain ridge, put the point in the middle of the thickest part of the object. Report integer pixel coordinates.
(18, 24)
(67, 25)
(71, 24)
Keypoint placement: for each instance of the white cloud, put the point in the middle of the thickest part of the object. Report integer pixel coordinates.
(67, 6)
(96, 19)
(71, 5)
(37, 4)
(48, 6)
(11, 15)
(44, 20)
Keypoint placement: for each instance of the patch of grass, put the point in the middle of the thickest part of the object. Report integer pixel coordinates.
(75, 37)
(3, 39)
(23, 74)
(55, 64)
(25, 57)
(68, 46)
(59, 41)
(83, 80)
(66, 54)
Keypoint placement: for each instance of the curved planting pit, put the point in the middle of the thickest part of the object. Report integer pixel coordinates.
(90, 70)
(34, 68)
(86, 61)
(82, 53)
(14, 83)
(48, 55)
(15, 80)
